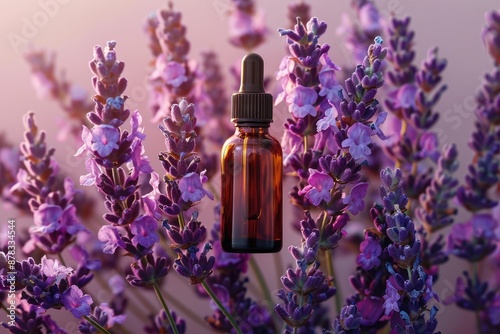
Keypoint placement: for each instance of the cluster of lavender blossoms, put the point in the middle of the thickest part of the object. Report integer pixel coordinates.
(116, 165)
(247, 27)
(477, 239)
(341, 129)
(50, 284)
(390, 282)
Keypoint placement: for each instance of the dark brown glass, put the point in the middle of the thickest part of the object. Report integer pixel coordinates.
(251, 196)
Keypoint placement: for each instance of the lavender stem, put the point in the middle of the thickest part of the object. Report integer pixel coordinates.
(165, 307)
(59, 256)
(96, 325)
(221, 307)
(474, 280)
(182, 222)
(263, 285)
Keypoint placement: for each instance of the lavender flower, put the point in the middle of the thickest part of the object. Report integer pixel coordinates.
(301, 10)
(108, 149)
(348, 322)
(474, 240)
(491, 35)
(173, 78)
(477, 296)
(247, 29)
(160, 324)
(148, 271)
(306, 286)
(358, 36)
(76, 302)
(104, 315)
(55, 220)
(482, 174)
(230, 285)
(390, 275)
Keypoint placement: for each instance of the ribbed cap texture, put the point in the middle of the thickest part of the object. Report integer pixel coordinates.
(252, 103)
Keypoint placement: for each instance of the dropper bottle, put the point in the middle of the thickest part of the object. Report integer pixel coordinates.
(251, 169)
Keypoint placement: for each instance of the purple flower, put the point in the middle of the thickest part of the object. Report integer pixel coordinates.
(191, 187)
(112, 319)
(391, 298)
(172, 72)
(301, 100)
(491, 34)
(405, 96)
(139, 162)
(291, 144)
(370, 252)
(355, 199)
(329, 85)
(429, 146)
(49, 218)
(94, 172)
(329, 120)
(111, 238)
(196, 267)
(54, 271)
(148, 271)
(475, 239)
(105, 139)
(46, 218)
(358, 139)
(76, 302)
(136, 131)
(376, 125)
(144, 230)
(369, 18)
(246, 27)
(318, 188)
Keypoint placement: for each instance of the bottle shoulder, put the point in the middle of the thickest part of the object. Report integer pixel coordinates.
(263, 141)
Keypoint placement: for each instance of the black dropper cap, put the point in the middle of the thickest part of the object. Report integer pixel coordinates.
(252, 105)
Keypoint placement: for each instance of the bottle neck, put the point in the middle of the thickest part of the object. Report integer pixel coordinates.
(255, 128)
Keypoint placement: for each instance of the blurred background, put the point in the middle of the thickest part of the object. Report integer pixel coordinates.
(72, 28)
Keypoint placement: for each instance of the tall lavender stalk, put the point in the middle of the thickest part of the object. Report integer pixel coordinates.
(412, 101)
(475, 239)
(328, 138)
(116, 162)
(183, 190)
(49, 284)
(390, 282)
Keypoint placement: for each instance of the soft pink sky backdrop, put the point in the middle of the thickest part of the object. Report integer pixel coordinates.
(76, 26)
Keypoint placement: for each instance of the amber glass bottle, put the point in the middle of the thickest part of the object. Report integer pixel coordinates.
(251, 170)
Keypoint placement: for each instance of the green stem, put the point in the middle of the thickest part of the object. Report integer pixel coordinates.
(182, 222)
(165, 307)
(306, 143)
(185, 310)
(474, 281)
(221, 307)
(96, 325)
(331, 272)
(260, 278)
(265, 288)
(61, 259)
(404, 127)
(133, 307)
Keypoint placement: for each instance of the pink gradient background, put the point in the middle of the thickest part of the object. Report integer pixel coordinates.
(77, 26)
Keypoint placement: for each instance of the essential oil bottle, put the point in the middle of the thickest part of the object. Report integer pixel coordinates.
(251, 169)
